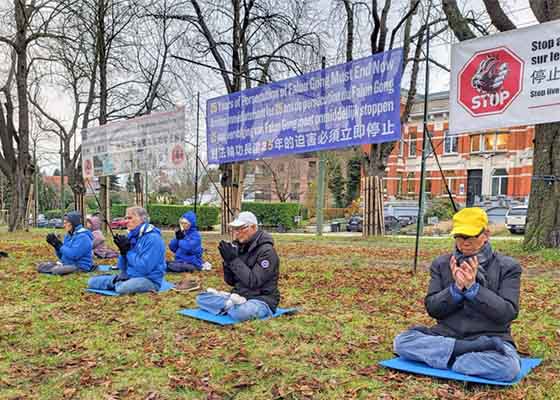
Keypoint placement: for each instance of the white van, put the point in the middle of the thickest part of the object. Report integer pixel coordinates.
(516, 219)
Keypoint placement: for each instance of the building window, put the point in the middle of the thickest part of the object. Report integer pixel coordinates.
(410, 182)
(489, 142)
(452, 183)
(399, 183)
(412, 145)
(499, 182)
(428, 185)
(450, 144)
(401, 148)
(475, 143)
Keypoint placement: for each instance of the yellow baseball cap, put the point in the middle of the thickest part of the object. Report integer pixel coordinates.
(469, 222)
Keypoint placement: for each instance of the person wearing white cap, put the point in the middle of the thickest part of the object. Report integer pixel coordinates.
(251, 267)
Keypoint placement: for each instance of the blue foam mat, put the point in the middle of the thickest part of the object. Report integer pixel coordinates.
(224, 320)
(401, 364)
(165, 286)
(105, 268)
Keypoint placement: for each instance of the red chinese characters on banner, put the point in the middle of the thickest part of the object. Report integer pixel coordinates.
(490, 81)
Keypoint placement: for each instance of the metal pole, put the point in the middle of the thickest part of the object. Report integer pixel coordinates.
(62, 207)
(321, 180)
(420, 220)
(146, 191)
(196, 151)
(36, 188)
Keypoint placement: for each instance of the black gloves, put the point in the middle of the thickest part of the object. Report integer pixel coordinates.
(228, 251)
(122, 243)
(54, 241)
(179, 234)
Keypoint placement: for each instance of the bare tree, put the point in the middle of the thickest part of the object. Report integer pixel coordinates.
(28, 23)
(543, 219)
(248, 41)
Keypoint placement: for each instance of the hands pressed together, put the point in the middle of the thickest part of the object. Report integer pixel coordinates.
(228, 251)
(54, 241)
(464, 274)
(123, 243)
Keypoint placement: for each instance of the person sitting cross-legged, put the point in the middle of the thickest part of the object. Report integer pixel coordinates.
(142, 258)
(251, 266)
(100, 249)
(75, 253)
(187, 246)
(474, 296)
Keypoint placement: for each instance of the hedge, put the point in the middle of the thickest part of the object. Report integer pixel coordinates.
(273, 213)
(169, 214)
(50, 214)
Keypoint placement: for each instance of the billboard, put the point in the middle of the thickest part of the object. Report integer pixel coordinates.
(340, 106)
(507, 79)
(151, 142)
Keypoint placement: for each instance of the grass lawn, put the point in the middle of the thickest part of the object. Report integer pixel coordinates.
(59, 342)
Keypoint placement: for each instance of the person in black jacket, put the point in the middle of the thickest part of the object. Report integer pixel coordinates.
(474, 296)
(251, 266)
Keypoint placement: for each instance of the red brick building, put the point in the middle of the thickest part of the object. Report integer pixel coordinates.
(478, 166)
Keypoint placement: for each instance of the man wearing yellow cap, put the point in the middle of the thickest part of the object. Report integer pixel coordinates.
(474, 296)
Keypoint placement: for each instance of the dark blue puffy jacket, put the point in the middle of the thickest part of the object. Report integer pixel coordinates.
(77, 249)
(146, 258)
(189, 249)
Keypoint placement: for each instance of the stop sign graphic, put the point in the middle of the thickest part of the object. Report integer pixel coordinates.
(490, 81)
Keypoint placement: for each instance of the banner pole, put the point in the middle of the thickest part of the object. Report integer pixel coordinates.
(419, 221)
(321, 181)
(196, 150)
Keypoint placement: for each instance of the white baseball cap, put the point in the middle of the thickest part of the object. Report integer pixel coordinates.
(244, 218)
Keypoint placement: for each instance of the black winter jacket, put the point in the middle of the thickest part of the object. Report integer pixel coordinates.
(254, 273)
(489, 314)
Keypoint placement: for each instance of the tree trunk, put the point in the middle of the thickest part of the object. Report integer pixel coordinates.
(543, 218)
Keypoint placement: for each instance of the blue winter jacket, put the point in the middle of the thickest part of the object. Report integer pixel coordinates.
(189, 249)
(146, 257)
(77, 249)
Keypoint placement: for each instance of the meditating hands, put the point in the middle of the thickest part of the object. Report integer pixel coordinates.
(464, 274)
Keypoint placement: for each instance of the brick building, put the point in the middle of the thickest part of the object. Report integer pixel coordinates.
(478, 166)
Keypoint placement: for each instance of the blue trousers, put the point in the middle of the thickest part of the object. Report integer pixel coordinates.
(217, 304)
(436, 351)
(132, 285)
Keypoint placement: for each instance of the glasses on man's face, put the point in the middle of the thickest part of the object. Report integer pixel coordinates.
(129, 217)
(241, 228)
(465, 238)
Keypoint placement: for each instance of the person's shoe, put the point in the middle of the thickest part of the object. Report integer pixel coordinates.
(237, 299)
(206, 266)
(187, 286)
(4, 254)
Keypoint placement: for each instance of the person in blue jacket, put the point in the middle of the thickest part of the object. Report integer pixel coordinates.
(142, 258)
(75, 253)
(187, 246)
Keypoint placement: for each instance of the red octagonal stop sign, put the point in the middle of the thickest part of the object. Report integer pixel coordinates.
(490, 81)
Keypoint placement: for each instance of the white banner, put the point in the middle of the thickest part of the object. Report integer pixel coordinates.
(151, 142)
(507, 79)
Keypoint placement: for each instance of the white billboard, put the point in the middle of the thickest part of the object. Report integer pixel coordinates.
(150, 142)
(507, 79)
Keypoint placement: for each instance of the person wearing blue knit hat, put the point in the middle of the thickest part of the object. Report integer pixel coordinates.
(75, 253)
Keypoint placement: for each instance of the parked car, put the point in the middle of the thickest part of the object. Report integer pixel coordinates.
(55, 223)
(354, 224)
(118, 223)
(392, 224)
(406, 220)
(516, 219)
(42, 222)
(497, 215)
